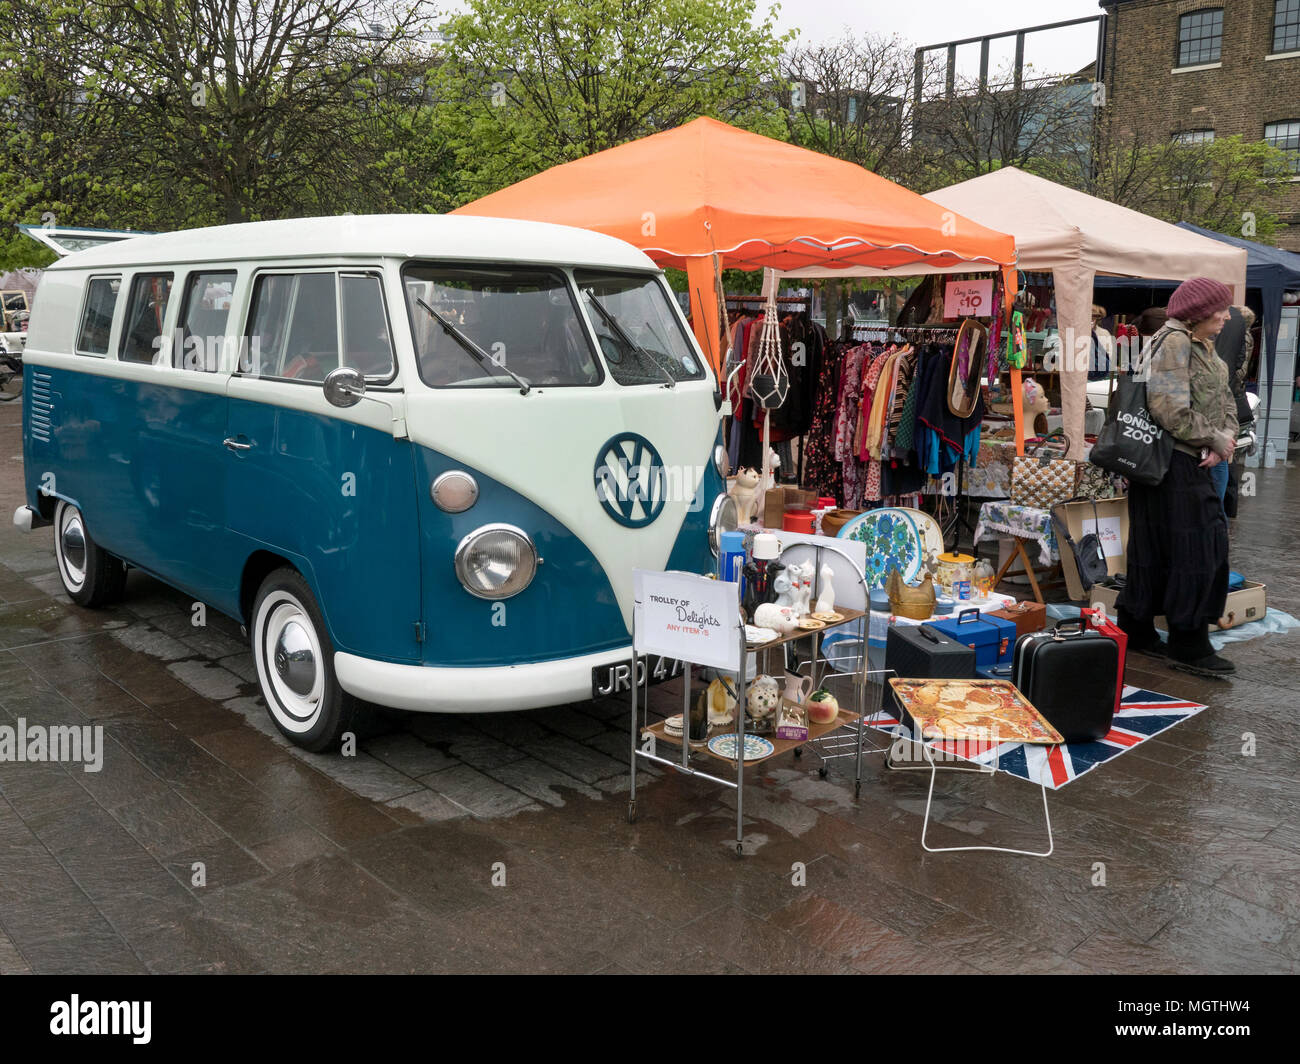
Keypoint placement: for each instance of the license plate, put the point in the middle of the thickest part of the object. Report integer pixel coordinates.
(616, 679)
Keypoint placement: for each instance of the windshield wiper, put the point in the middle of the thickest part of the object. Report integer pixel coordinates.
(484, 359)
(632, 345)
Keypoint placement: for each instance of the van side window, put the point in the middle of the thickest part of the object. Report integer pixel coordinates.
(367, 345)
(203, 321)
(146, 311)
(292, 328)
(97, 317)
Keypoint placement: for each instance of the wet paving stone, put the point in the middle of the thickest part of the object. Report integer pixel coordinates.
(501, 843)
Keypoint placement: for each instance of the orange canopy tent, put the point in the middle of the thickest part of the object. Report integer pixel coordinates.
(708, 188)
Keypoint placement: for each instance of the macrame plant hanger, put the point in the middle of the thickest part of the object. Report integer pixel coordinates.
(769, 383)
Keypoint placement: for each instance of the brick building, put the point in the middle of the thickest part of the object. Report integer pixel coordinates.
(1199, 69)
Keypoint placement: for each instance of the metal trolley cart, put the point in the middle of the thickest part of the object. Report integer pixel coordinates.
(704, 763)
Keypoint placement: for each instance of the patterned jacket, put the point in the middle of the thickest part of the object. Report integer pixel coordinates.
(1188, 391)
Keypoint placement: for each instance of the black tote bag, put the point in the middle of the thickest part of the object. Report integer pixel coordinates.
(1131, 443)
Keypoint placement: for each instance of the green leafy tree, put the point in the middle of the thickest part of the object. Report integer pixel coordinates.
(527, 84)
(1228, 184)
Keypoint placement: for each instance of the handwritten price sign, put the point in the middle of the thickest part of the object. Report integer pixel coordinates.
(968, 299)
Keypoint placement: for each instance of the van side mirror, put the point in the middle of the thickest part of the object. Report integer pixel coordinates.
(344, 387)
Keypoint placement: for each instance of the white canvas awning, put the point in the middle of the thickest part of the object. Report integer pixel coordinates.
(1075, 236)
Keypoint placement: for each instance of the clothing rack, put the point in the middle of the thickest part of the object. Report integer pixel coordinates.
(784, 302)
(928, 334)
(925, 334)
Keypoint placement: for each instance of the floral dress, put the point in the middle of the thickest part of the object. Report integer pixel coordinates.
(822, 473)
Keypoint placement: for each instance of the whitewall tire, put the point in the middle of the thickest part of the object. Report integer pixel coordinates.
(91, 576)
(295, 664)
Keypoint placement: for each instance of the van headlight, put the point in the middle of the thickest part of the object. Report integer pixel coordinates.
(723, 518)
(496, 561)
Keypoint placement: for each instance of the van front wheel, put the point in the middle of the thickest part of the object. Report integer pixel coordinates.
(91, 576)
(295, 665)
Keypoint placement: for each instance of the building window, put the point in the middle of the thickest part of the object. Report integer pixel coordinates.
(1194, 136)
(1286, 26)
(1286, 135)
(1200, 37)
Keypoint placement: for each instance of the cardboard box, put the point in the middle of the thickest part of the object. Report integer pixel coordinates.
(1248, 604)
(792, 721)
(1112, 514)
(785, 497)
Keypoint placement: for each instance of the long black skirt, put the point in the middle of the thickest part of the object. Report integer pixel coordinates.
(1177, 548)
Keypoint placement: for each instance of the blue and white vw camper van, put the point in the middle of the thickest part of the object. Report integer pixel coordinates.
(417, 457)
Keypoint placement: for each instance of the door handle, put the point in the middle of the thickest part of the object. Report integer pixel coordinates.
(233, 444)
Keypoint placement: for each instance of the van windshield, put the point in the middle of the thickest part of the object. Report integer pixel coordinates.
(523, 319)
(641, 338)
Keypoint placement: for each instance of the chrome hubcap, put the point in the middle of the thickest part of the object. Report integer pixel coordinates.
(74, 545)
(290, 662)
(294, 660)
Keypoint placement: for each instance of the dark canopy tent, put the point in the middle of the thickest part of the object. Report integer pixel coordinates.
(1271, 270)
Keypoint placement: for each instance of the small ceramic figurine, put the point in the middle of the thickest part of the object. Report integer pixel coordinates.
(826, 597)
(783, 587)
(801, 579)
(764, 696)
(744, 489)
(720, 703)
(779, 618)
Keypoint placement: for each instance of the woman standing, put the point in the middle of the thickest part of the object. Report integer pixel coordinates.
(1178, 535)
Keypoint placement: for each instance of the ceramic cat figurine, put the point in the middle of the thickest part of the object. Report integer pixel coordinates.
(801, 579)
(779, 618)
(826, 597)
(783, 586)
(744, 489)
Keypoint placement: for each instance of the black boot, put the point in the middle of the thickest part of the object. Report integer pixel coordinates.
(1141, 631)
(1192, 650)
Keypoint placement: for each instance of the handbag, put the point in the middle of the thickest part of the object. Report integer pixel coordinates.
(1096, 484)
(1089, 555)
(1040, 480)
(1131, 443)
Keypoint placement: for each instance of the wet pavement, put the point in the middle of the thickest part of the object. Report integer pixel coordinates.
(499, 843)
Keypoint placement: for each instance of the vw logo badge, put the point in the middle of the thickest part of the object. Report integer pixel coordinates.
(631, 483)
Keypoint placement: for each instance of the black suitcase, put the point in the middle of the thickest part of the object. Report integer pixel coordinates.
(920, 652)
(1069, 673)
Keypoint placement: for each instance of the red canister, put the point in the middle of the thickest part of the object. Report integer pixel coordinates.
(797, 521)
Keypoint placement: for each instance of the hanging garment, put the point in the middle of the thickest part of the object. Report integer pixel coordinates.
(822, 473)
(953, 437)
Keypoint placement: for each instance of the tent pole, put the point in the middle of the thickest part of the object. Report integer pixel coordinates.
(1010, 286)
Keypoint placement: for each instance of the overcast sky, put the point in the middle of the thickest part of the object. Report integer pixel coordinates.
(924, 22)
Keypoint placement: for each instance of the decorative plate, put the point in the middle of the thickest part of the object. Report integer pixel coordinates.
(830, 617)
(892, 542)
(755, 746)
(758, 636)
(811, 624)
(930, 532)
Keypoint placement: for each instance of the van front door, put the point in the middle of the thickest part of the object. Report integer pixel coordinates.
(332, 490)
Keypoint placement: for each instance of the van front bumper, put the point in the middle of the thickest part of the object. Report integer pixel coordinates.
(487, 689)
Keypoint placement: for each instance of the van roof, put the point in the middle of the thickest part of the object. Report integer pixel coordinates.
(398, 235)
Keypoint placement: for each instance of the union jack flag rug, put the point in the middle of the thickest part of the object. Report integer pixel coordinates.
(1142, 714)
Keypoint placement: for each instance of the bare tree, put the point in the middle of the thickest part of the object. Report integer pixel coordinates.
(851, 98)
(249, 108)
(1044, 125)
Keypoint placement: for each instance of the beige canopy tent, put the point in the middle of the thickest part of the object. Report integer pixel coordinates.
(1076, 237)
